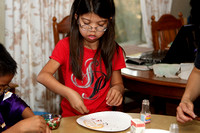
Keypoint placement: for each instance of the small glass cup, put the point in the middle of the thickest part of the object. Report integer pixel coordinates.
(52, 120)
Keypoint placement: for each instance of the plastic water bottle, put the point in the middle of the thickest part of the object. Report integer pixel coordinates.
(174, 128)
(145, 112)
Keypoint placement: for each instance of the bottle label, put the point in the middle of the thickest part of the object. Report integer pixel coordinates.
(146, 118)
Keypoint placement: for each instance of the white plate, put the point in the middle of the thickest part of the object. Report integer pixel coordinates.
(107, 121)
(155, 131)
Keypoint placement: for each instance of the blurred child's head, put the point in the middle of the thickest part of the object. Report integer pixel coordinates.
(103, 8)
(8, 68)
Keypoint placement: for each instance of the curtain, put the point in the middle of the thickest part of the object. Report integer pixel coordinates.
(156, 8)
(29, 39)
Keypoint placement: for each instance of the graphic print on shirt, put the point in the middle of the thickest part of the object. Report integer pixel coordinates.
(88, 80)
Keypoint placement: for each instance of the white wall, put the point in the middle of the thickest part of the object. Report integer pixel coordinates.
(181, 6)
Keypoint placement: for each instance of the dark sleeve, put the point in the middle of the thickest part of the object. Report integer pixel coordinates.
(183, 48)
(14, 107)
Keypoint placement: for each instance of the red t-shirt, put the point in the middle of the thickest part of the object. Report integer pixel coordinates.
(93, 89)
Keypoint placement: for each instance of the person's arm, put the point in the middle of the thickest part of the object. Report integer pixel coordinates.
(27, 113)
(34, 124)
(115, 94)
(193, 86)
(46, 78)
(30, 123)
(185, 109)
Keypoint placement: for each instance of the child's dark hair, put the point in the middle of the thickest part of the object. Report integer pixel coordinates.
(107, 45)
(7, 63)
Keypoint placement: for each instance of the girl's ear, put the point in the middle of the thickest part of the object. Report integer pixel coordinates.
(76, 16)
(110, 18)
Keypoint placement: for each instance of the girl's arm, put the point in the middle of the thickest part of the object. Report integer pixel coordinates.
(115, 94)
(27, 113)
(46, 78)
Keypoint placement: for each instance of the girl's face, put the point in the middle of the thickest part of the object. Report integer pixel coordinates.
(92, 27)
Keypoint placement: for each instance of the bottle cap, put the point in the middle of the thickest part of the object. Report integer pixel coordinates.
(145, 101)
(174, 128)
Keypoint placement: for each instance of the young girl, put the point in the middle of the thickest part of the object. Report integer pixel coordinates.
(15, 114)
(90, 60)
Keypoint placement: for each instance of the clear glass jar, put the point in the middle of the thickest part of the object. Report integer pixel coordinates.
(145, 112)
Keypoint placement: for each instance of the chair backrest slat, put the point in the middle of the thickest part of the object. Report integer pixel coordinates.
(165, 30)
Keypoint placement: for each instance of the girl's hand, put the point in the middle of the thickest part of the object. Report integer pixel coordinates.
(185, 111)
(76, 102)
(34, 124)
(114, 96)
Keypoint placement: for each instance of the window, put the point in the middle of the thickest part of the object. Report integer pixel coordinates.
(129, 29)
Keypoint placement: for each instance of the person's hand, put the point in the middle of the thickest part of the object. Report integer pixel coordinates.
(114, 96)
(185, 111)
(76, 102)
(34, 124)
(48, 130)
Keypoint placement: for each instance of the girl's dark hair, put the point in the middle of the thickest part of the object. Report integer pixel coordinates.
(7, 63)
(107, 45)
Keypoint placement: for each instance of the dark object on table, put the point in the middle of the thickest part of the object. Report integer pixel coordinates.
(148, 58)
(154, 57)
(135, 61)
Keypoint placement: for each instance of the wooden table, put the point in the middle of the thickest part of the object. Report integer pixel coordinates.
(147, 83)
(69, 125)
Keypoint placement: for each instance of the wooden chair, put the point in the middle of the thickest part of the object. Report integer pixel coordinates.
(165, 30)
(60, 29)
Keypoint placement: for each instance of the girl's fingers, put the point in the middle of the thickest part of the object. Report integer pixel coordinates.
(108, 95)
(110, 99)
(82, 109)
(118, 100)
